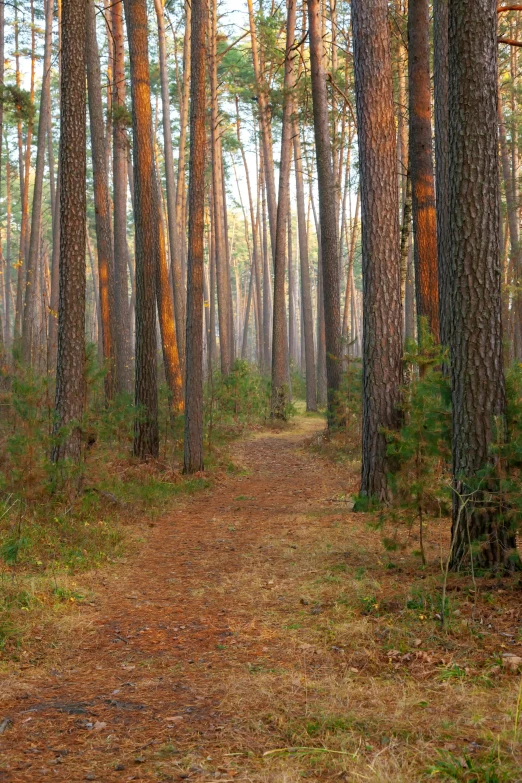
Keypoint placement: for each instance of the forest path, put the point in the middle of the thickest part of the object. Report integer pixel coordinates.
(150, 685)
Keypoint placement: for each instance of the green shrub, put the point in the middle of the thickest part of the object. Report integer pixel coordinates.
(231, 403)
(420, 452)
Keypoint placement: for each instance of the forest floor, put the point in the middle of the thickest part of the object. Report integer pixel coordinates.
(264, 633)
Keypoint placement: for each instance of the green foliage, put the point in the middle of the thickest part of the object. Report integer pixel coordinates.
(25, 432)
(490, 768)
(44, 521)
(17, 103)
(298, 383)
(121, 116)
(349, 401)
(420, 452)
(369, 604)
(231, 403)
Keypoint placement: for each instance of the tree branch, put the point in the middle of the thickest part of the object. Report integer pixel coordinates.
(509, 41)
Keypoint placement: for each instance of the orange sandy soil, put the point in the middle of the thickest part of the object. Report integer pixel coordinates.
(261, 634)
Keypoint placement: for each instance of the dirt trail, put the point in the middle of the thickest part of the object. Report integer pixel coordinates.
(141, 692)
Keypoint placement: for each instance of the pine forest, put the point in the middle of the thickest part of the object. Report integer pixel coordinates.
(260, 391)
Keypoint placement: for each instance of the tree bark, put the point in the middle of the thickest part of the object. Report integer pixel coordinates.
(24, 162)
(165, 304)
(212, 284)
(8, 332)
(280, 369)
(146, 434)
(322, 383)
(512, 221)
(119, 177)
(174, 244)
(70, 372)
(181, 189)
(264, 123)
(193, 444)
(351, 257)
(292, 314)
(267, 279)
(30, 303)
(477, 375)
(441, 116)
(307, 324)
(102, 208)
(382, 319)
(327, 211)
(421, 165)
(217, 200)
(254, 289)
(410, 314)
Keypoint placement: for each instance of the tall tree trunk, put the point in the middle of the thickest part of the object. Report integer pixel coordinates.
(146, 433)
(212, 275)
(228, 277)
(248, 309)
(322, 383)
(254, 284)
(107, 4)
(402, 109)
(382, 319)
(181, 189)
(50, 163)
(292, 315)
(217, 200)
(52, 323)
(264, 123)
(193, 444)
(70, 372)
(119, 177)
(95, 285)
(351, 257)
(307, 324)
(30, 303)
(512, 221)
(206, 300)
(24, 168)
(6, 270)
(267, 280)
(477, 376)
(165, 304)
(280, 368)
(409, 292)
(174, 244)
(441, 116)
(102, 209)
(405, 236)
(327, 210)
(421, 165)
(7, 311)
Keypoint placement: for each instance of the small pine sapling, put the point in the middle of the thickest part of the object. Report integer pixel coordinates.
(420, 451)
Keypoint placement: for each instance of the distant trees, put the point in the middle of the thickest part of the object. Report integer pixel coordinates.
(280, 358)
(102, 207)
(327, 209)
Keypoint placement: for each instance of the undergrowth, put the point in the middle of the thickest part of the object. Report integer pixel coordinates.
(420, 452)
(50, 530)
